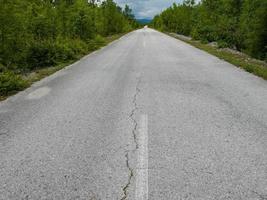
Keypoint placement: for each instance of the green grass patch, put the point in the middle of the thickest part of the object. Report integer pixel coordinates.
(257, 67)
(10, 83)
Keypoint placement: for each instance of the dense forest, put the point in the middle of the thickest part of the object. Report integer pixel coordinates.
(238, 24)
(43, 33)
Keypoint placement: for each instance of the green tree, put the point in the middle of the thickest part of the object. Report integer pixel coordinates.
(37, 33)
(240, 24)
(254, 27)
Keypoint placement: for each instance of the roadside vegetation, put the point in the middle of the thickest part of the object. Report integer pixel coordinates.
(39, 37)
(240, 25)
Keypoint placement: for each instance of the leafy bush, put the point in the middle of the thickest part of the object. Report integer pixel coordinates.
(10, 82)
(223, 44)
(78, 46)
(63, 50)
(99, 40)
(41, 54)
(95, 43)
(2, 68)
(49, 53)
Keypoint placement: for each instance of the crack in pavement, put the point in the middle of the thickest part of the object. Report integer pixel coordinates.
(137, 91)
(129, 178)
(134, 133)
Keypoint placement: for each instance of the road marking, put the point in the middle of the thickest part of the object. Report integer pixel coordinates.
(144, 43)
(39, 93)
(141, 191)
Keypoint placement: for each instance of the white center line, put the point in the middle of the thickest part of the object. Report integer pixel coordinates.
(141, 191)
(144, 43)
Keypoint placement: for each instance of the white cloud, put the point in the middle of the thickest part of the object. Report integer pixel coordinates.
(147, 8)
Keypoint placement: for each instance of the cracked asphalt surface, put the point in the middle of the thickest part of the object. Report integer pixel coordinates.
(74, 135)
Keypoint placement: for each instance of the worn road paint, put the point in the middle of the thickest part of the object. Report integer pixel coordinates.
(141, 191)
(39, 93)
(144, 43)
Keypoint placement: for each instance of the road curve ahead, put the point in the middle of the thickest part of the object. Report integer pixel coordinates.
(148, 117)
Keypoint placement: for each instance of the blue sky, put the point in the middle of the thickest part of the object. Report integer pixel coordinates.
(147, 8)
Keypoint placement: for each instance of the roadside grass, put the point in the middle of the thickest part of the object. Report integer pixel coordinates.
(241, 60)
(13, 82)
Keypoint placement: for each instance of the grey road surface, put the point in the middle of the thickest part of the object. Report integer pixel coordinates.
(148, 117)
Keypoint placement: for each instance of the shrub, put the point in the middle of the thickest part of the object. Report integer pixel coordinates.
(223, 44)
(41, 54)
(78, 46)
(68, 49)
(97, 42)
(50, 53)
(2, 68)
(10, 82)
(63, 50)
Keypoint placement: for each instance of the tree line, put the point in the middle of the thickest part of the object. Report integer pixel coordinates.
(43, 33)
(238, 24)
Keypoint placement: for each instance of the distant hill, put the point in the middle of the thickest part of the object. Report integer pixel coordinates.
(144, 21)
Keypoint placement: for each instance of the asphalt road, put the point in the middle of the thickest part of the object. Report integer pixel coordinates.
(148, 117)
